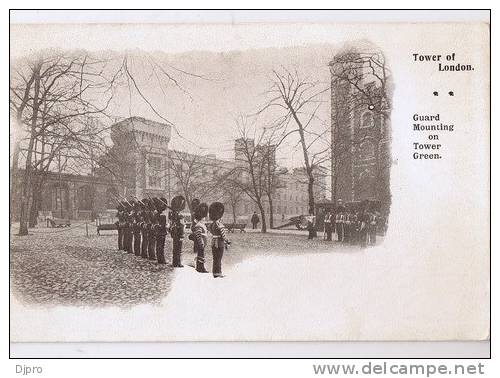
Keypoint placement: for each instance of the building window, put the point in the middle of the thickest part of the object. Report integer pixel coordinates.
(367, 150)
(367, 120)
(154, 172)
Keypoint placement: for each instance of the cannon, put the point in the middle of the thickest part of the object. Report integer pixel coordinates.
(299, 221)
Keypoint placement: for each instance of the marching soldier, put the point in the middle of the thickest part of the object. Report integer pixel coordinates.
(199, 236)
(177, 230)
(219, 239)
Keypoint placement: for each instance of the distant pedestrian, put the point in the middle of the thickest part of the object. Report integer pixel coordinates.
(255, 220)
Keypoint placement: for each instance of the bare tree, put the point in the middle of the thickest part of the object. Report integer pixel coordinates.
(195, 175)
(249, 173)
(299, 100)
(47, 93)
(272, 173)
(232, 192)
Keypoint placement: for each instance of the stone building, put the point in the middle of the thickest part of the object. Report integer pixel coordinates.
(361, 128)
(139, 156)
(68, 196)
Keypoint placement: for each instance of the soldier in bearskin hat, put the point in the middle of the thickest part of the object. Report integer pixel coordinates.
(127, 228)
(119, 224)
(137, 226)
(160, 229)
(219, 238)
(154, 217)
(145, 228)
(177, 229)
(199, 235)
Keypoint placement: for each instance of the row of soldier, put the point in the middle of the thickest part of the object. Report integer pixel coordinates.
(352, 226)
(143, 228)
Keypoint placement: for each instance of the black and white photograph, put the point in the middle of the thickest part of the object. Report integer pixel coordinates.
(249, 182)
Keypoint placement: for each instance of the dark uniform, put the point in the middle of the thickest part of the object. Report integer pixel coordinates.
(155, 221)
(353, 218)
(219, 238)
(363, 228)
(127, 228)
(119, 225)
(136, 228)
(161, 234)
(177, 230)
(160, 230)
(145, 227)
(255, 221)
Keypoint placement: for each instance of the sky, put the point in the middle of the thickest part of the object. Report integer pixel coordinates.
(233, 82)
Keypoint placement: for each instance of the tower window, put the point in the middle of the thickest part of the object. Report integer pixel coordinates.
(367, 150)
(367, 120)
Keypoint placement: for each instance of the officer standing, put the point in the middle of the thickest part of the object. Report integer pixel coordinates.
(219, 239)
(177, 230)
(199, 235)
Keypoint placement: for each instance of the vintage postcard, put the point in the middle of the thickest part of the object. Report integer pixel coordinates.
(249, 181)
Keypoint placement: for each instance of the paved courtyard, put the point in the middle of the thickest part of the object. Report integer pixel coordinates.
(64, 266)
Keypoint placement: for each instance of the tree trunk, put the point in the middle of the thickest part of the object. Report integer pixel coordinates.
(24, 211)
(233, 208)
(263, 228)
(271, 212)
(35, 205)
(14, 174)
(36, 197)
(310, 193)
